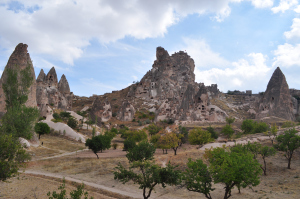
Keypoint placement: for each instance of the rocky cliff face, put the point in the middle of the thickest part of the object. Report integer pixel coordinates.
(171, 85)
(101, 110)
(277, 99)
(18, 61)
(50, 92)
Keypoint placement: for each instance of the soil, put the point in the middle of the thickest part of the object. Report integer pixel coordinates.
(44, 175)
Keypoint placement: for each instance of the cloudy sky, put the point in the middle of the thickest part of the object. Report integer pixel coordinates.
(105, 45)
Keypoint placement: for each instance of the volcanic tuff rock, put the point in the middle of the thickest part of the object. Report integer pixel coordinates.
(102, 110)
(277, 99)
(18, 61)
(126, 112)
(50, 92)
(171, 84)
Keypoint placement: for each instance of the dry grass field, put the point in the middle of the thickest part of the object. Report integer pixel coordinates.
(281, 183)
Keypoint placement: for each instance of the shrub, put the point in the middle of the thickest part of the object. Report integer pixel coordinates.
(213, 133)
(56, 116)
(51, 104)
(64, 114)
(72, 123)
(198, 136)
(147, 121)
(140, 123)
(115, 145)
(287, 124)
(41, 118)
(114, 114)
(129, 144)
(227, 130)
(248, 126)
(261, 127)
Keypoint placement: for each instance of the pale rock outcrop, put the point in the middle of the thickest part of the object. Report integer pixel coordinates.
(50, 92)
(277, 99)
(171, 83)
(18, 61)
(102, 110)
(126, 112)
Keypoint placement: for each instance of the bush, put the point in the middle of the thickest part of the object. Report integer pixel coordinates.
(41, 118)
(115, 145)
(153, 129)
(227, 130)
(261, 127)
(114, 114)
(64, 114)
(198, 136)
(147, 121)
(248, 126)
(56, 116)
(252, 127)
(129, 144)
(137, 136)
(72, 123)
(288, 124)
(213, 133)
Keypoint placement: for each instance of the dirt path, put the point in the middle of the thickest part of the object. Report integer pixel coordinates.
(124, 193)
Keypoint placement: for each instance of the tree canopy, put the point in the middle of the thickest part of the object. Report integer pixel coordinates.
(41, 128)
(98, 143)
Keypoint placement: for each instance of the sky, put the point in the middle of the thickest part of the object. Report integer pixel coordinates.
(106, 45)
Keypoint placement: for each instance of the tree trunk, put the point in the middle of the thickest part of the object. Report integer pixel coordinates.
(175, 150)
(97, 155)
(289, 164)
(39, 136)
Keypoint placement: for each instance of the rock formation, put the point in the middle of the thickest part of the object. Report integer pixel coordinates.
(102, 110)
(171, 84)
(126, 112)
(50, 92)
(276, 100)
(18, 61)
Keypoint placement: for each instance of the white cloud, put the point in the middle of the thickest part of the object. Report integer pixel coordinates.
(249, 74)
(262, 3)
(63, 29)
(287, 55)
(294, 33)
(90, 85)
(285, 5)
(297, 9)
(203, 56)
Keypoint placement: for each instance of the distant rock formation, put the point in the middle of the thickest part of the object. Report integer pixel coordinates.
(18, 61)
(101, 110)
(50, 92)
(171, 84)
(277, 99)
(126, 112)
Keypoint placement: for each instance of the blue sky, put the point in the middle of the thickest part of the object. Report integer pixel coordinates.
(105, 45)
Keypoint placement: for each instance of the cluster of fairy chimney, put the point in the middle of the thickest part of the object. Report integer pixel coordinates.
(45, 91)
(168, 89)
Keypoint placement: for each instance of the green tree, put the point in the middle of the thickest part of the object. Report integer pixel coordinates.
(12, 156)
(212, 131)
(230, 120)
(197, 178)
(75, 194)
(65, 115)
(272, 133)
(198, 136)
(169, 141)
(18, 121)
(41, 128)
(129, 144)
(141, 152)
(266, 151)
(136, 135)
(153, 129)
(248, 126)
(98, 143)
(72, 122)
(233, 169)
(144, 172)
(288, 142)
(227, 130)
(184, 135)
